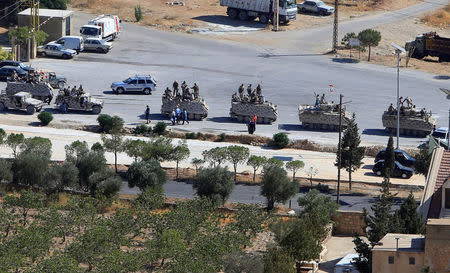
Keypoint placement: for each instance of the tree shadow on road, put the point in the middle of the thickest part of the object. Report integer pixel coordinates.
(222, 120)
(442, 77)
(345, 60)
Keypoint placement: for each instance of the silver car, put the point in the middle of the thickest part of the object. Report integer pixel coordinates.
(55, 50)
(97, 44)
(139, 83)
(315, 6)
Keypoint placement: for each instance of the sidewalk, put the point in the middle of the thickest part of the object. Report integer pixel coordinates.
(323, 162)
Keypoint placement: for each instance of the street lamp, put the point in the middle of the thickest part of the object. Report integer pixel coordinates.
(398, 50)
(447, 92)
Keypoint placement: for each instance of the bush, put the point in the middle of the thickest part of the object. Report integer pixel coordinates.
(222, 137)
(199, 135)
(108, 123)
(142, 129)
(150, 199)
(160, 128)
(145, 174)
(104, 182)
(190, 135)
(216, 184)
(280, 140)
(138, 13)
(45, 117)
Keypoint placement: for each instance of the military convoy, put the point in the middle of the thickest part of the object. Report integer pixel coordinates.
(245, 106)
(79, 102)
(38, 90)
(413, 122)
(322, 115)
(20, 101)
(195, 105)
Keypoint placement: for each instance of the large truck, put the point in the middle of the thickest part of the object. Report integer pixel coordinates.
(430, 44)
(106, 27)
(263, 9)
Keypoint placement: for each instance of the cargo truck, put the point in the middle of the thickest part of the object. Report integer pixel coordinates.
(263, 9)
(430, 44)
(104, 27)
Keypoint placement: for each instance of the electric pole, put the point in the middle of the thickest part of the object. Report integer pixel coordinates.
(275, 15)
(339, 151)
(335, 27)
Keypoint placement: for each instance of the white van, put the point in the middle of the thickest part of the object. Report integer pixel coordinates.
(72, 42)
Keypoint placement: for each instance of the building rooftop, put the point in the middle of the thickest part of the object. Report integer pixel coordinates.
(57, 13)
(406, 243)
(438, 222)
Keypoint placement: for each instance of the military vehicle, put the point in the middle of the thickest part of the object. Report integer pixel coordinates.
(413, 122)
(57, 82)
(195, 105)
(84, 102)
(245, 106)
(429, 44)
(20, 101)
(41, 90)
(323, 117)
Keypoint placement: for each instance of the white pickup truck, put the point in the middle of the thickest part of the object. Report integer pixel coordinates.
(263, 9)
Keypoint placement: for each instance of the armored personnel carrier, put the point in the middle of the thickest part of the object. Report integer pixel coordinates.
(324, 116)
(244, 107)
(413, 122)
(20, 101)
(40, 90)
(195, 106)
(83, 102)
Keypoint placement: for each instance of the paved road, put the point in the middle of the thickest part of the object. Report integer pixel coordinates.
(250, 195)
(289, 77)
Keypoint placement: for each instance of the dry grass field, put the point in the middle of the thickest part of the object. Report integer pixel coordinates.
(439, 18)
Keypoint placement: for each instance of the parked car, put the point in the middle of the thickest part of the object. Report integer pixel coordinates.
(399, 170)
(97, 44)
(400, 156)
(315, 6)
(139, 83)
(56, 50)
(7, 71)
(72, 42)
(18, 64)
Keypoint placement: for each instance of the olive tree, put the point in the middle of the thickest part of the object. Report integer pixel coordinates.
(145, 174)
(197, 162)
(214, 183)
(179, 153)
(237, 154)
(113, 144)
(294, 166)
(133, 148)
(276, 186)
(215, 156)
(256, 162)
(15, 141)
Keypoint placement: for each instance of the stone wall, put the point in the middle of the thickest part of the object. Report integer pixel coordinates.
(437, 245)
(349, 223)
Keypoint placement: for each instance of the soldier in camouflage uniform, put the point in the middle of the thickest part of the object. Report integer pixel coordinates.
(196, 91)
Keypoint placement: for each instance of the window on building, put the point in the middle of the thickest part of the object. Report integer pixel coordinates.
(391, 259)
(412, 260)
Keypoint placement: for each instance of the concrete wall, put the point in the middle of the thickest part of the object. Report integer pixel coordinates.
(349, 223)
(437, 248)
(401, 264)
(55, 27)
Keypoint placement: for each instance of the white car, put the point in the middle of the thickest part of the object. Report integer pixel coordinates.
(315, 6)
(55, 50)
(71, 42)
(97, 44)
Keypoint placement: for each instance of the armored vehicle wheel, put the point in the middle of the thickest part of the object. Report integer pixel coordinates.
(147, 91)
(30, 110)
(191, 116)
(378, 173)
(120, 90)
(233, 13)
(43, 54)
(243, 15)
(198, 117)
(2, 107)
(240, 118)
(96, 110)
(61, 85)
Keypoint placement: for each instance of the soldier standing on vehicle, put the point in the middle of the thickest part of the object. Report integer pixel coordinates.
(147, 114)
(74, 91)
(241, 91)
(317, 99)
(175, 85)
(249, 90)
(80, 90)
(196, 91)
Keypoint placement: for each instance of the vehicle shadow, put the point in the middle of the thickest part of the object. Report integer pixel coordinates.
(222, 120)
(375, 132)
(372, 174)
(225, 20)
(367, 167)
(442, 77)
(345, 60)
(154, 117)
(290, 127)
(110, 92)
(267, 55)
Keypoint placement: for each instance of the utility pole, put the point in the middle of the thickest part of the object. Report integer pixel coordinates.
(275, 20)
(398, 98)
(335, 27)
(339, 151)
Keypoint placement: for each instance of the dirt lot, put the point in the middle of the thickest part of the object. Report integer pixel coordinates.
(187, 15)
(399, 33)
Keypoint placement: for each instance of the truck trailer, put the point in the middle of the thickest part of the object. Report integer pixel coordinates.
(430, 44)
(263, 9)
(106, 27)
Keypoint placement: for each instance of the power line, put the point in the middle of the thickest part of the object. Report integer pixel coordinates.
(3, 17)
